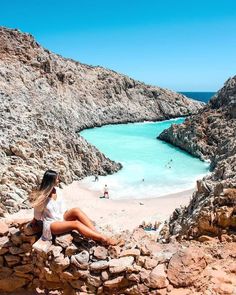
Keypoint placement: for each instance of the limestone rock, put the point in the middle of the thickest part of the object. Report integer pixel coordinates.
(64, 240)
(185, 267)
(99, 265)
(81, 259)
(42, 246)
(209, 135)
(157, 278)
(8, 286)
(4, 241)
(3, 228)
(120, 282)
(100, 252)
(120, 264)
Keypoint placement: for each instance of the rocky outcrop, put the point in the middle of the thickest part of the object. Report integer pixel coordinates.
(74, 265)
(210, 134)
(46, 99)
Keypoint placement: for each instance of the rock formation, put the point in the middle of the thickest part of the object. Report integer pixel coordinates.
(72, 265)
(46, 99)
(210, 134)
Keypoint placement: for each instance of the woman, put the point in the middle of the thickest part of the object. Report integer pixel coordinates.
(49, 207)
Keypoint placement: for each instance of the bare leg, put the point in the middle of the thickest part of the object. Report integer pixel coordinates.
(60, 227)
(77, 214)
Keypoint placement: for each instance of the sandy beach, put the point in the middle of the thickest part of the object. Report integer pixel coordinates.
(117, 215)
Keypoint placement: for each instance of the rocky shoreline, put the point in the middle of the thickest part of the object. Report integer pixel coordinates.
(210, 134)
(46, 99)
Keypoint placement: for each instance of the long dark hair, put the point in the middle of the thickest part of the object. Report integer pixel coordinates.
(39, 198)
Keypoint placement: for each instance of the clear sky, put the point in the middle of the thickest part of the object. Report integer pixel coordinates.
(184, 45)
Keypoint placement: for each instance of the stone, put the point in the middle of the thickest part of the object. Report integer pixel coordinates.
(15, 250)
(81, 274)
(144, 274)
(150, 263)
(12, 260)
(205, 238)
(8, 286)
(150, 248)
(42, 246)
(118, 282)
(185, 266)
(27, 276)
(181, 291)
(104, 275)
(30, 230)
(81, 259)
(16, 236)
(94, 281)
(60, 263)
(100, 252)
(4, 242)
(141, 260)
(4, 229)
(64, 240)
(114, 251)
(137, 289)
(1, 261)
(120, 264)
(50, 275)
(55, 250)
(3, 251)
(99, 265)
(130, 252)
(26, 247)
(134, 277)
(157, 278)
(77, 284)
(71, 250)
(5, 272)
(24, 268)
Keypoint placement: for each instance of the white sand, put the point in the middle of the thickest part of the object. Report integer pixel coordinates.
(117, 215)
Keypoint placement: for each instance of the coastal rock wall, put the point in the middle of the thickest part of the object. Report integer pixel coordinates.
(73, 265)
(210, 134)
(46, 99)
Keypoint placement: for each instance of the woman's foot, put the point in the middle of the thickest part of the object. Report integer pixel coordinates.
(109, 241)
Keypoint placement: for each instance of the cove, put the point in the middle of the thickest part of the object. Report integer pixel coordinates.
(151, 167)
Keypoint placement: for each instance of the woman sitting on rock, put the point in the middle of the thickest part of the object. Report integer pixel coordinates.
(49, 207)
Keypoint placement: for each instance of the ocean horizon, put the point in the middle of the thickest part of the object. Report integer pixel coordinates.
(199, 95)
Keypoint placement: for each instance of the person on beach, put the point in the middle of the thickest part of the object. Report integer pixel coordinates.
(106, 194)
(49, 207)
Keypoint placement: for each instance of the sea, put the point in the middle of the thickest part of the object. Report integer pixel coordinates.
(151, 167)
(202, 96)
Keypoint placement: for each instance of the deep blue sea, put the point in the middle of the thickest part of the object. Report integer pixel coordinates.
(202, 96)
(151, 167)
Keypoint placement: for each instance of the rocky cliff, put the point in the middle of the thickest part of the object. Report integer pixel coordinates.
(46, 99)
(210, 134)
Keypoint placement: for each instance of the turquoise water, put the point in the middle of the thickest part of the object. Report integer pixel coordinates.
(151, 167)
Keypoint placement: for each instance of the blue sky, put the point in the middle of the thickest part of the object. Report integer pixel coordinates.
(181, 45)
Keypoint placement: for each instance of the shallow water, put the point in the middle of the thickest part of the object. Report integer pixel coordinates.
(151, 167)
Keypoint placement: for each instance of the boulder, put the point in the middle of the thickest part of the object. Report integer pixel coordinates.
(81, 259)
(185, 266)
(120, 264)
(157, 279)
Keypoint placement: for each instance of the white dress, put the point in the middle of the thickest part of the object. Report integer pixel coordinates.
(54, 211)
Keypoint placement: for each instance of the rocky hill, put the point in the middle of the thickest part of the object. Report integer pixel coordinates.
(210, 134)
(46, 99)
